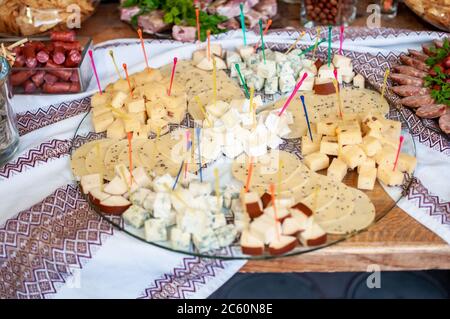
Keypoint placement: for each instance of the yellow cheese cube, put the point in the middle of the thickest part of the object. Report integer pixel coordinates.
(350, 137)
(372, 122)
(99, 110)
(347, 126)
(118, 99)
(366, 178)
(353, 155)
(388, 176)
(309, 146)
(158, 124)
(122, 85)
(337, 170)
(136, 106)
(327, 128)
(143, 131)
(140, 116)
(386, 155)
(176, 115)
(100, 99)
(116, 130)
(370, 145)
(351, 117)
(389, 141)
(368, 163)
(406, 163)
(102, 122)
(317, 161)
(394, 128)
(329, 145)
(131, 125)
(155, 111)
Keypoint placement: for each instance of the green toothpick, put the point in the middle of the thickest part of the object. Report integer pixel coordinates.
(312, 47)
(241, 6)
(329, 45)
(238, 69)
(262, 40)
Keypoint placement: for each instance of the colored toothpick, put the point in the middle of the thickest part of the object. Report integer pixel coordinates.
(341, 38)
(272, 194)
(202, 109)
(383, 88)
(244, 84)
(317, 43)
(249, 175)
(197, 130)
(179, 171)
(338, 96)
(269, 23)
(197, 19)
(130, 155)
(242, 16)
(175, 60)
(111, 53)
(262, 40)
(310, 48)
(217, 186)
(295, 42)
(398, 152)
(214, 82)
(302, 97)
(128, 78)
(95, 71)
(208, 38)
(297, 87)
(139, 31)
(329, 44)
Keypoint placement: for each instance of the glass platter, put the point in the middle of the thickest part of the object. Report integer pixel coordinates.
(382, 201)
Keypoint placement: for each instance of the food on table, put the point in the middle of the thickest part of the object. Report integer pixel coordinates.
(424, 82)
(180, 16)
(436, 12)
(328, 12)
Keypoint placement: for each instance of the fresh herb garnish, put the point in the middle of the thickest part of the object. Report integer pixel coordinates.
(440, 53)
(437, 80)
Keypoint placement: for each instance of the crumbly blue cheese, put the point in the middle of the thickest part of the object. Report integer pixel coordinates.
(245, 73)
(149, 201)
(226, 235)
(287, 83)
(267, 70)
(155, 230)
(233, 70)
(206, 241)
(252, 61)
(138, 197)
(255, 80)
(270, 55)
(284, 69)
(180, 199)
(232, 58)
(180, 240)
(135, 216)
(162, 206)
(161, 183)
(218, 220)
(192, 221)
(280, 57)
(271, 86)
(200, 189)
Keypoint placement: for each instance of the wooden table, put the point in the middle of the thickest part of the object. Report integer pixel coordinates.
(397, 242)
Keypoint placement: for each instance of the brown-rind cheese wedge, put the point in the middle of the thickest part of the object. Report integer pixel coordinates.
(303, 208)
(114, 205)
(325, 88)
(313, 235)
(282, 245)
(253, 204)
(250, 244)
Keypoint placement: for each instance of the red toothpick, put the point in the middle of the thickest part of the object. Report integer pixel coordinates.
(269, 23)
(172, 75)
(128, 78)
(139, 31)
(297, 87)
(272, 194)
(130, 155)
(398, 152)
(197, 18)
(95, 72)
(341, 39)
(208, 36)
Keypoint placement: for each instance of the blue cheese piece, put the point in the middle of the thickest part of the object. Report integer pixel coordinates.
(270, 55)
(255, 80)
(198, 188)
(180, 199)
(149, 201)
(213, 204)
(271, 86)
(252, 61)
(226, 235)
(232, 58)
(206, 241)
(162, 206)
(138, 197)
(287, 83)
(267, 70)
(161, 183)
(135, 216)
(284, 68)
(236, 207)
(180, 240)
(192, 221)
(280, 57)
(218, 220)
(233, 70)
(155, 230)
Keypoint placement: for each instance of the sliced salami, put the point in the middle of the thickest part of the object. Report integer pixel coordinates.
(414, 63)
(427, 48)
(431, 111)
(409, 70)
(406, 79)
(444, 123)
(418, 55)
(409, 90)
(417, 101)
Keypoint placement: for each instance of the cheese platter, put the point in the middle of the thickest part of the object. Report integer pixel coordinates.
(224, 167)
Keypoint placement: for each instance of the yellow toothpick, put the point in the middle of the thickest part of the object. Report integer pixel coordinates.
(202, 109)
(317, 43)
(111, 53)
(214, 82)
(295, 42)
(338, 96)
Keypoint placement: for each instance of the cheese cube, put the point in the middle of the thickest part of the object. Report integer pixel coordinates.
(386, 155)
(119, 99)
(89, 182)
(287, 83)
(389, 141)
(138, 197)
(366, 178)
(231, 118)
(205, 241)
(155, 230)
(349, 137)
(255, 80)
(233, 71)
(352, 124)
(340, 61)
(329, 145)
(406, 163)
(326, 128)
(135, 216)
(337, 170)
(99, 110)
(218, 220)
(232, 58)
(252, 62)
(218, 108)
(226, 235)
(309, 146)
(161, 206)
(375, 134)
(370, 145)
(100, 99)
(131, 125)
(102, 122)
(136, 105)
(372, 122)
(267, 70)
(358, 81)
(392, 128)
(317, 161)
(368, 163)
(271, 85)
(351, 118)
(388, 176)
(352, 155)
(179, 240)
(155, 111)
(116, 130)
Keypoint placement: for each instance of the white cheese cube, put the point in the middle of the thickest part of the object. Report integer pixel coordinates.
(252, 62)
(163, 183)
(155, 230)
(255, 81)
(218, 220)
(119, 99)
(246, 51)
(280, 57)
(232, 58)
(149, 201)
(89, 182)
(205, 241)
(271, 85)
(366, 178)
(226, 235)
(138, 197)
(358, 81)
(135, 216)
(161, 206)
(287, 83)
(317, 161)
(340, 61)
(233, 71)
(180, 240)
(267, 70)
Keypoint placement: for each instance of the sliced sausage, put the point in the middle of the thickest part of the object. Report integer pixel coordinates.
(42, 56)
(417, 101)
(18, 78)
(418, 55)
(409, 90)
(29, 51)
(64, 36)
(431, 111)
(414, 63)
(73, 58)
(409, 70)
(444, 123)
(428, 49)
(406, 79)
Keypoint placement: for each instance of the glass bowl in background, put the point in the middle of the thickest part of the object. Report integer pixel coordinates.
(327, 12)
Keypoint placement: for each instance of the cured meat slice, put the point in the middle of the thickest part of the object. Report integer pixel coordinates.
(444, 123)
(431, 111)
(409, 70)
(406, 79)
(417, 101)
(409, 90)
(418, 55)
(414, 63)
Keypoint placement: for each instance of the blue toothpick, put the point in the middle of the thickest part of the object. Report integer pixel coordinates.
(306, 116)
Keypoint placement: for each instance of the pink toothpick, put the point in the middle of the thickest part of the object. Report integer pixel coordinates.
(398, 152)
(297, 87)
(172, 75)
(341, 39)
(95, 72)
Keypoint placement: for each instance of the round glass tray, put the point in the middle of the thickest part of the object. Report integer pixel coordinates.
(382, 201)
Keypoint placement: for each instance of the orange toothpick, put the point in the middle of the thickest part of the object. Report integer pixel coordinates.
(272, 194)
(208, 36)
(269, 23)
(139, 31)
(249, 175)
(197, 18)
(128, 78)
(130, 155)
